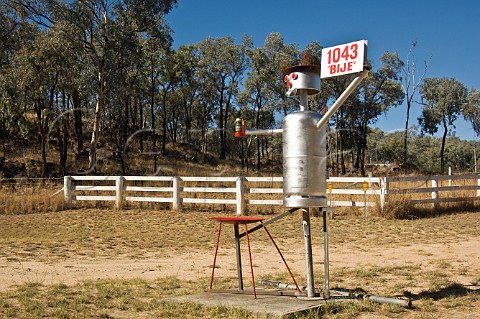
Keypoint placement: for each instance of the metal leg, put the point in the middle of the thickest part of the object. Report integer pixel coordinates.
(251, 264)
(308, 252)
(215, 256)
(239, 257)
(326, 261)
(284, 261)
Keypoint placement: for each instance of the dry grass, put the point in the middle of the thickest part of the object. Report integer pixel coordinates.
(136, 233)
(32, 197)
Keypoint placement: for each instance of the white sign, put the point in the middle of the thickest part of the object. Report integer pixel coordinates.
(343, 59)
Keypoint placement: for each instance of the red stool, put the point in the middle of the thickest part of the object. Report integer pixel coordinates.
(236, 221)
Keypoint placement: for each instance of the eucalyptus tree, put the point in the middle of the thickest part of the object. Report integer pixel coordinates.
(157, 51)
(188, 86)
(64, 56)
(221, 66)
(411, 83)
(257, 92)
(167, 83)
(95, 22)
(443, 100)
(280, 56)
(12, 35)
(43, 71)
(471, 110)
(376, 95)
(8, 26)
(204, 110)
(126, 81)
(471, 113)
(331, 89)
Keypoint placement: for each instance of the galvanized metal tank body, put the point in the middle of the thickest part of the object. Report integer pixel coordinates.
(304, 160)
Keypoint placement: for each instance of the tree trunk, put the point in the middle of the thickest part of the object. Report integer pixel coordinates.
(64, 158)
(39, 107)
(257, 123)
(405, 134)
(342, 155)
(188, 118)
(77, 116)
(164, 120)
(140, 123)
(442, 150)
(92, 160)
(224, 128)
(363, 151)
(122, 151)
(152, 113)
(337, 135)
(63, 136)
(220, 125)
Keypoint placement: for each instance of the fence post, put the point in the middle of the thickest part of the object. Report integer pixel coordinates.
(119, 190)
(177, 200)
(435, 191)
(240, 187)
(383, 192)
(449, 174)
(67, 190)
(365, 188)
(478, 190)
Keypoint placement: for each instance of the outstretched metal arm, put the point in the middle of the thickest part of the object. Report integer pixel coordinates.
(240, 130)
(264, 132)
(341, 99)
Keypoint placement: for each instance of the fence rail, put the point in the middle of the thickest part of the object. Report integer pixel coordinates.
(243, 192)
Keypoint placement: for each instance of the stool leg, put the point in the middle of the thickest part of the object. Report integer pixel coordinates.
(251, 265)
(239, 257)
(284, 261)
(215, 256)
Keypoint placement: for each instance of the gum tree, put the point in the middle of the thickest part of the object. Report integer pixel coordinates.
(471, 113)
(380, 91)
(221, 65)
(411, 83)
(443, 100)
(94, 23)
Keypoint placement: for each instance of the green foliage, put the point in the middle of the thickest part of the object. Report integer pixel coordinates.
(69, 69)
(471, 111)
(424, 152)
(443, 101)
(379, 92)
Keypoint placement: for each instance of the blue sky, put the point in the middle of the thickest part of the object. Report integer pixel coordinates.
(446, 31)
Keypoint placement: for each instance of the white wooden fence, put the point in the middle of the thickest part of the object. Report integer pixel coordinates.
(243, 192)
(435, 189)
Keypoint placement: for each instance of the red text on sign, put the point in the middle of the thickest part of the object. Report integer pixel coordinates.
(349, 52)
(341, 67)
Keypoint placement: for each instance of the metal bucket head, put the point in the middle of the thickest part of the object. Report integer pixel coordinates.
(302, 77)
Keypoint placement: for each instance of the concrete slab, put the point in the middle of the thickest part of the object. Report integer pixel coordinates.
(268, 302)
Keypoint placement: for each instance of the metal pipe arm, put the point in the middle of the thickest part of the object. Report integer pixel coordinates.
(341, 99)
(264, 132)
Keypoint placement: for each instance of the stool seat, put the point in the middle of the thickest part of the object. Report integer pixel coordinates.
(237, 220)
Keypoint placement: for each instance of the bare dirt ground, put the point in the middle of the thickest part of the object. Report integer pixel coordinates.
(196, 265)
(422, 257)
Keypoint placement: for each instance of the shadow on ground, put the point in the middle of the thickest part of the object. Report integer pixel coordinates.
(453, 290)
